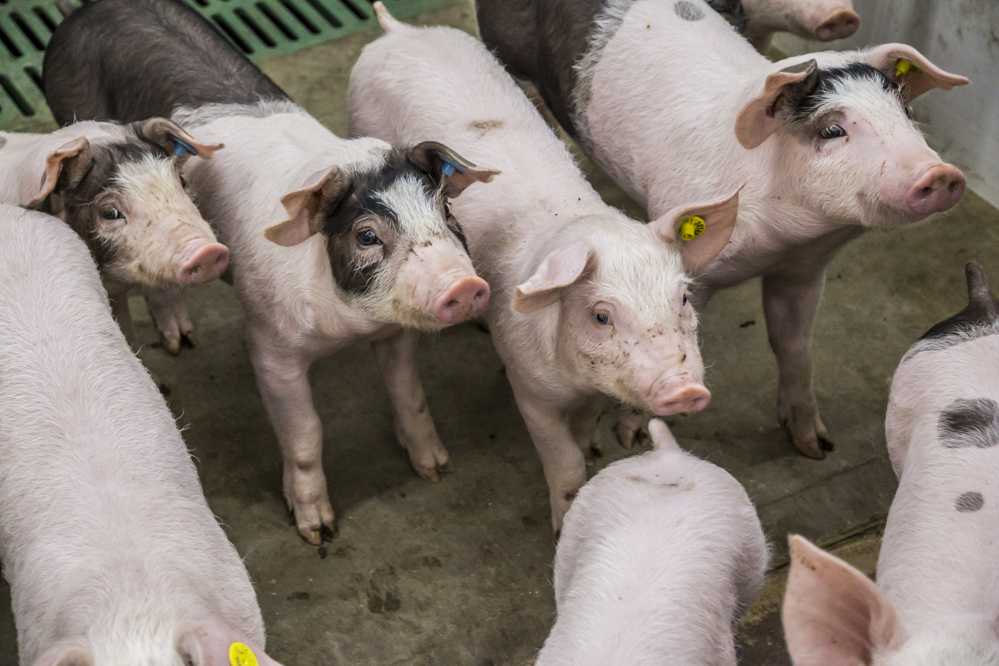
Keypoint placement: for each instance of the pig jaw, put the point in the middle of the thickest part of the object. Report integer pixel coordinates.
(147, 230)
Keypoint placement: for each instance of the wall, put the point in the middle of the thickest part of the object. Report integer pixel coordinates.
(961, 36)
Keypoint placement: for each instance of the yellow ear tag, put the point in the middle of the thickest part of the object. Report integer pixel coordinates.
(241, 655)
(904, 67)
(691, 228)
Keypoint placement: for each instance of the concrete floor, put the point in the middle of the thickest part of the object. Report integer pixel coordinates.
(459, 572)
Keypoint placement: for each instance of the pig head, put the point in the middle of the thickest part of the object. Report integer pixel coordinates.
(124, 195)
(394, 247)
(625, 324)
(847, 146)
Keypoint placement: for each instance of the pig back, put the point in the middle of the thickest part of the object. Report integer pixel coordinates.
(938, 555)
(99, 499)
(663, 539)
(125, 61)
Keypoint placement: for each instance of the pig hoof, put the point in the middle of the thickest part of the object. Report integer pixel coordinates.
(446, 468)
(171, 347)
(825, 444)
(189, 339)
(596, 451)
(430, 475)
(625, 436)
(811, 449)
(317, 537)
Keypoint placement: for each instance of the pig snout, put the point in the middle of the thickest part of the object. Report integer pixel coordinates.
(204, 263)
(686, 398)
(462, 299)
(938, 189)
(840, 24)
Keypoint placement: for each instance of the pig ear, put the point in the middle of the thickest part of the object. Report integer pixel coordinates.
(911, 70)
(70, 162)
(761, 116)
(702, 230)
(212, 642)
(446, 167)
(174, 139)
(662, 437)
(560, 269)
(834, 615)
(65, 654)
(305, 204)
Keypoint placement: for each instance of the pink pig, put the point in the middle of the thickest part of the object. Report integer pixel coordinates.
(937, 598)
(586, 302)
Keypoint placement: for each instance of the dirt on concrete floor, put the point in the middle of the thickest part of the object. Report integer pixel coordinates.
(459, 572)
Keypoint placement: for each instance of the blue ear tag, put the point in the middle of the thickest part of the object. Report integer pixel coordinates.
(181, 147)
(450, 167)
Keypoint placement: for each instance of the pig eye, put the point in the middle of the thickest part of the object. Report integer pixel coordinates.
(602, 318)
(367, 237)
(685, 299)
(183, 181)
(111, 213)
(832, 132)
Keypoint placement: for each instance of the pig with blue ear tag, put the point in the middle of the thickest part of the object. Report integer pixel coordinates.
(120, 188)
(936, 602)
(333, 241)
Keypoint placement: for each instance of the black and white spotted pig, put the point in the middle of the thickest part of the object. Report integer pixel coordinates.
(333, 241)
(676, 107)
(119, 187)
(937, 598)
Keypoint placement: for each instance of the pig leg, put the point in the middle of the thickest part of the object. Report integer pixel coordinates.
(414, 427)
(789, 306)
(631, 426)
(561, 457)
(171, 318)
(283, 381)
(585, 426)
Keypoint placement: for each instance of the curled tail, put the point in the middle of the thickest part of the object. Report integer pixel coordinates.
(662, 438)
(386, 20)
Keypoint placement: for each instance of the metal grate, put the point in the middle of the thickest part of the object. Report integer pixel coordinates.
(259, 28)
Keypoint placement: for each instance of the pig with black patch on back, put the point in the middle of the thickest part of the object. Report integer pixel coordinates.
(143, 574)
(675, 106)
(119, 187)
(660, 553)
(936, 602)
(586, 302)
(509, 26)
(332, 241)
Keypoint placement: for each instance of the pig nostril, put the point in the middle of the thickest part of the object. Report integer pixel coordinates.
(926, 191)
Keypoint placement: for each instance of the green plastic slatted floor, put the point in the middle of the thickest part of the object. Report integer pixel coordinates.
(259, 28)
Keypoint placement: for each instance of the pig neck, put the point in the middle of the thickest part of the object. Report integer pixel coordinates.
(288, 289)
(938, 558)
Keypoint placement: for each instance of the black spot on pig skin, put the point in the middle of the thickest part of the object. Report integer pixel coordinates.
(969, 502)
(126, 61)
(970, 423)
(982, 310)
(542, 42)
(688, 11)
